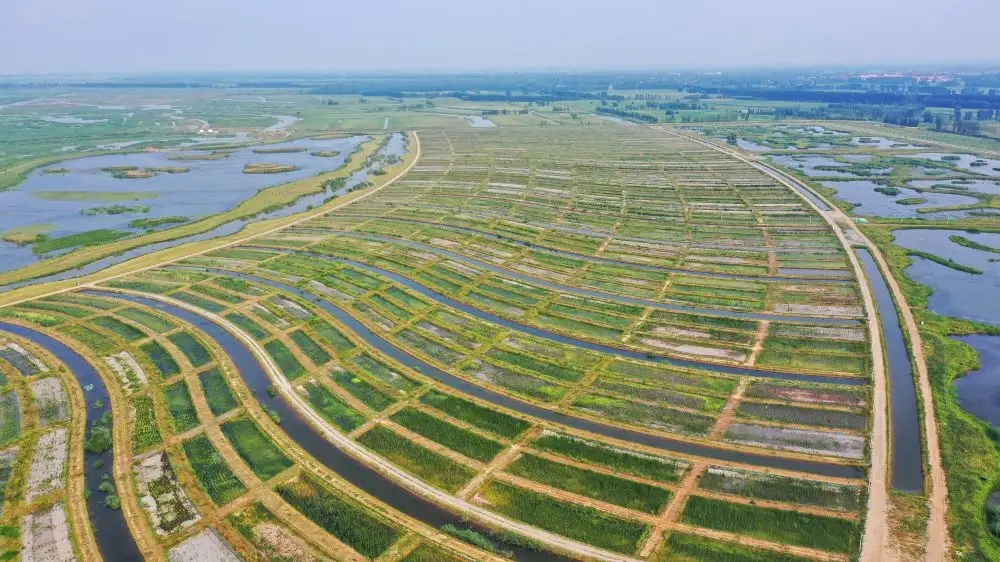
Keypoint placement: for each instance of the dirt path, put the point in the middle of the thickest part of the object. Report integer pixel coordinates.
(674, 509)
(387, 469)
(875, 544)
(725, 418)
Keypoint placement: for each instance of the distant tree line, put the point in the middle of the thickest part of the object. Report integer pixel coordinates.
(626, 114)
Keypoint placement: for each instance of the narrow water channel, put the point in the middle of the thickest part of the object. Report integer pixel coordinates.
(545, 334)
(529, 409)
(570, 289)
(355, 472)
(906, 458)
(824, 277)
(113, 537)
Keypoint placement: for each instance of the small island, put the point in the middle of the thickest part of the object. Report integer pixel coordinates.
(214, 155)
(115, 210)
(326, 153)
(279, 150)
(153, 223)
(911, 201)
(269, 168)
(24, 235)
(55, 171)
(135, 172)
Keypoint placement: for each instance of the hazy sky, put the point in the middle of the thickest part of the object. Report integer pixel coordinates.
(78, 36)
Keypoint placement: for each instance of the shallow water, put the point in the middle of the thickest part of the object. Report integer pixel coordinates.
(396, 147)
(956, 293)
(883, 143)
(114, 540)
(877, 204)
(752, 146)
(210, 187)
(979, 186)
(979, 390)
(807, 165)
(992, 167)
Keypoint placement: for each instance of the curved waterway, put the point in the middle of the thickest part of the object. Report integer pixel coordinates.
(552, 336)
(907, 459)
(610, 261)
(300, 431)
(113, 537)
(395, 147)
(567, 288)
(979, 391)
(656, 441)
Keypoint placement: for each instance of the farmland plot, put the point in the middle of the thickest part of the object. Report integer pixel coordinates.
(269, 536)
(130, 372)
(206, 545)
(162, 497)
(145, 433)
(48, 464)
(760, 486)
(211, 470)
(23, 360)
(264, 457)
(53, 404)
(46, 536)
(10, 417)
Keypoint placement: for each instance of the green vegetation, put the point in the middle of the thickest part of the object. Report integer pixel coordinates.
(361, 389)
(43, 244)
(200, 302)
(482, 417)
(963, 241)
(340, 517)
(947, 262)
(161, 359)
(218, 394)
(433, 468)
(430, 553)
(447, 434)
(621, 460)
(279, 150)
(145, 433)
(689, 548)
(93, 340)
(268, 168)
(25, 235)
(195, 352)
(264, 457)
(576, 522)
(609, 489)
(332, 408)
(124, 330)
(310, 348)
(814, 531)
(153, 223)
(211, 470)
(332, 336)
(180, 406)
(244, 323)
(287, 362)
(911, 201)
(149, 320)
(10, 418)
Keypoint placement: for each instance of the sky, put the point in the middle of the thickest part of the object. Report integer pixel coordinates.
(129, 36)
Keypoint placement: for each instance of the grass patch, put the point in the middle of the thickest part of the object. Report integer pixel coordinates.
(602, 487)
(574, 521)
(435, 469)
(44, 245)
(287, 362)
(151, 321)
(196, 353)
(161, 359)
(332, 336)
(99, 196)
(363, 390)
(310, 348)
(789, 527)
(447, 434)
(689, 548)
(145, 433)
(621, 460)
(124, 330)
(218, 394)
(487, 419)
(211, 470)
(332, 408)
(257, 449)
(181, 407)
(947, 262)
(963, 241)
(340, 517)
(244, 323)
